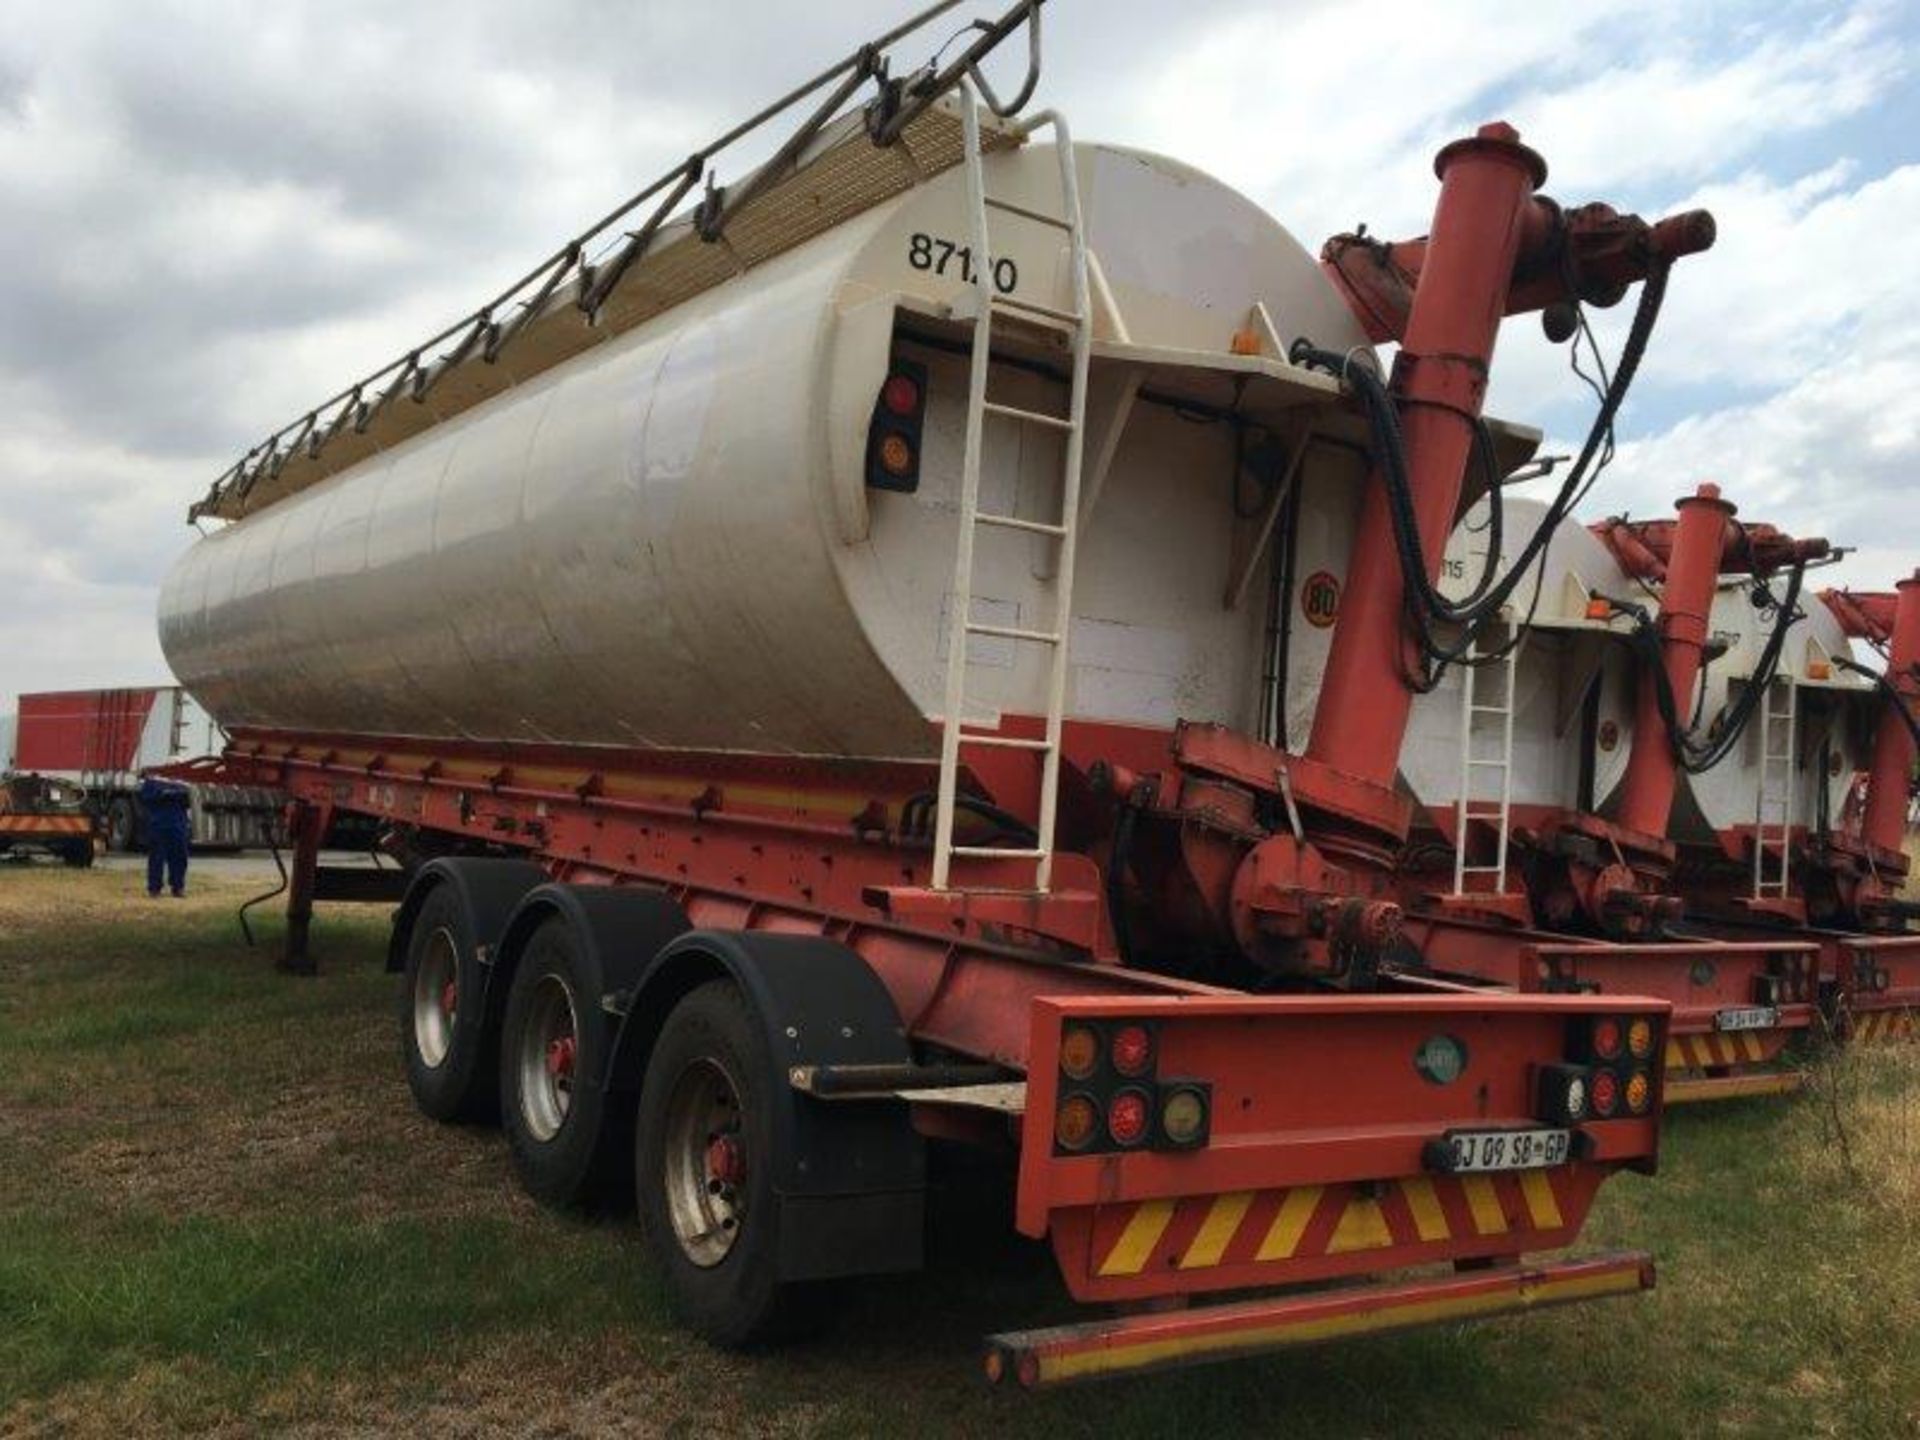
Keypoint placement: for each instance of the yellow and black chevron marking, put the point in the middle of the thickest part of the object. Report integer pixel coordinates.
(1885, 1025)
(45, 825)
(1698, 1052)
(1270, 1226)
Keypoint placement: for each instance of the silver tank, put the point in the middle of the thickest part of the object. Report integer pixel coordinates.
(667, 540)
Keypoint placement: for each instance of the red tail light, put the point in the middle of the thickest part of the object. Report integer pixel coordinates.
(1128, 1116)
(1603, 1093)
(1132, 1050)
(901, 394)
(1606, 1039)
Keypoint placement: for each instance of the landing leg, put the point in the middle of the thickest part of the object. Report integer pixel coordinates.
(305, 824)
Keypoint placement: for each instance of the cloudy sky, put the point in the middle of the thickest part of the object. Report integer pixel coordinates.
(213, 212)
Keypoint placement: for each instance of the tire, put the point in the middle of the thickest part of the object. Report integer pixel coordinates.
(555, 1043)
(449, 1049)
(121, 832)
(78, 855)
(710, 1066)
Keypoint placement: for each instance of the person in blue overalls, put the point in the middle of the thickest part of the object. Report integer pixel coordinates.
(168, 805)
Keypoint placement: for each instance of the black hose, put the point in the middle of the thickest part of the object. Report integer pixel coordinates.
(1426, 606)
(1893, 696)
(1694, 756)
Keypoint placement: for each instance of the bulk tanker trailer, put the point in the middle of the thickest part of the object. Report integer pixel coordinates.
(830, 638)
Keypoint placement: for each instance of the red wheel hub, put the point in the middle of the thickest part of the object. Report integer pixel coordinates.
(726, 1161)
(560, 1057)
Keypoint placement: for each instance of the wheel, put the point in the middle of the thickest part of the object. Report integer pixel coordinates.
(554, 1044)
(704, 1175)
(77, 854)
(120, 826)
(448, 1051)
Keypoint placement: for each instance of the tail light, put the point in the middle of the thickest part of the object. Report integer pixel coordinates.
(1112, 1099)
(1075, 1122)
(1132, 1050)
(1079, 1052)
(1562, 1094)
(1183, 1116)
(1129, 1114)
(1607, 1039)
(893, 435)
(1640, 1038)
(1608, 1072)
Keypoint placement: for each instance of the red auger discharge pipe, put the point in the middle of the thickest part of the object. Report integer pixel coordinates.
(1484, 215)
(1886, 819)
(1692, 567)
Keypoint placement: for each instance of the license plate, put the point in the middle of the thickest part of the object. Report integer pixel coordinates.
(1470, 1151)
(1747, 1017)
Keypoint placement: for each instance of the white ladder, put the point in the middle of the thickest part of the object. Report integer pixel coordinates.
(961, 626)
(1476, 712)
(1779, 741)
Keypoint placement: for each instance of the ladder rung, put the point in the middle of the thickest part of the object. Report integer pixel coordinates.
(1490, 709)
(1014, 522)
(1045, 219)
(1013, 412)
(1005, 742)
(1010, 632)
(995, 852)
(1034, 307)
(1491, 764)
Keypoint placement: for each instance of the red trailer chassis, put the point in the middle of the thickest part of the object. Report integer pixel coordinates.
(1326, 1158)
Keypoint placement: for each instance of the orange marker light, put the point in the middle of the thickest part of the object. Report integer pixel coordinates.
(1639, 1092)
(1640, 1039)
(896, 455)
(1079, 1052)
(1075, 1122)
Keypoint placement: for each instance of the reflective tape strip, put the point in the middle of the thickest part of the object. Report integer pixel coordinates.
(1484, 1201)
(1429, 1220)
(1361, 1227)
(1750, 1042)
(1542, 1204)
(1221, 1225)
(1143, 1232)
(1676, 1056)
(1289, 1223)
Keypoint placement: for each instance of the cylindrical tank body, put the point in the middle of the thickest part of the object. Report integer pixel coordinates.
(1573, 682)
(1831, 732)
(667, 540)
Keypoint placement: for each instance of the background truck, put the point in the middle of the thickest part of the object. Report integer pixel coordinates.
(98, 741)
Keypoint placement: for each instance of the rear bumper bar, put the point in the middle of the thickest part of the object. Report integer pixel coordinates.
(1135, 1343)
(1690, 1090)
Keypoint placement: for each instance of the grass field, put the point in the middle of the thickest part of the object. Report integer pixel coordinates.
(218, 1210)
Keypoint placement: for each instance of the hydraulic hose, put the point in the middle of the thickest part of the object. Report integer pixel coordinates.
(1694, 756)
(1426, 606)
